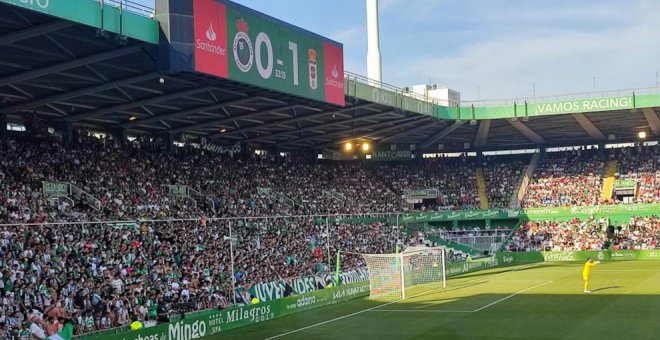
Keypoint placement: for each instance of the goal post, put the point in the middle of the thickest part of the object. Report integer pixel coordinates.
(400, 275)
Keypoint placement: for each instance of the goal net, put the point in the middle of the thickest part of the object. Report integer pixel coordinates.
(415, 270)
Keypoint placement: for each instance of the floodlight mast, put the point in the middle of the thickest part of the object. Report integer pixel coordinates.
(374, 72)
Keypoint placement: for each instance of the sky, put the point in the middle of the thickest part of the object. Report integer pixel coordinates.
(492, 49)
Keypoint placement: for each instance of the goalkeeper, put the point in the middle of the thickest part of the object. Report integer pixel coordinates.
(586, 271)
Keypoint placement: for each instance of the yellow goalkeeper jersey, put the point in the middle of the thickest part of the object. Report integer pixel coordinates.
(587, 268)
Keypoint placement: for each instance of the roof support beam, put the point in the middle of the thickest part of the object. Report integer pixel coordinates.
(652, 118)
(399, 123)
(589, 127)
(67, 65)
(79, 92)
(482, 133)
(34, 31)
(318, 126)
(177, 114)
(443, 133)
(231, 119)
(291, 120)
(527, 132)
(129, 105)
(408, 132)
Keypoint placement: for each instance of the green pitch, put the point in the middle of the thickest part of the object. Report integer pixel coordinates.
(542, 301)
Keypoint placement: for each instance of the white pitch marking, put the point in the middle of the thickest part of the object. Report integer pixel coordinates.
(512, 295)
(423, 310)
(383, 305)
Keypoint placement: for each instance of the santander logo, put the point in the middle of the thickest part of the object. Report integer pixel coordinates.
(209, 45)
(210, 33)
(334, 82)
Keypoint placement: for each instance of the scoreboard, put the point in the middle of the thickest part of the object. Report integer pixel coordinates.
(234, 42)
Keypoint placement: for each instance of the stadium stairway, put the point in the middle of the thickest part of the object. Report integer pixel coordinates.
(608, 183)
(523, 183)
(481, 185)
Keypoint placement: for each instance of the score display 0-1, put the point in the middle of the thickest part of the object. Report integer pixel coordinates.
(237, 43)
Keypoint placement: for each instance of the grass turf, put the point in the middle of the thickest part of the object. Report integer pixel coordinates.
(543, 301)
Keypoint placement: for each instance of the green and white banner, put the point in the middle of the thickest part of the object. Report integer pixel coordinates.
(578, 256)
(625, 184)
(275, 290)
(581, 105)
(575, 256)
(638, 255)
(461, 215)
(55, 188)
(88, 12)
(212, 322)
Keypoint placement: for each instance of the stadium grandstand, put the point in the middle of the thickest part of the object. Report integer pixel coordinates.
(153, 173)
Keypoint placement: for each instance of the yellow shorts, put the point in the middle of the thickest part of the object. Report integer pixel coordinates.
(585, 277)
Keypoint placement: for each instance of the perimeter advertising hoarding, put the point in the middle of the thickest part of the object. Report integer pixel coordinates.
(236, 43)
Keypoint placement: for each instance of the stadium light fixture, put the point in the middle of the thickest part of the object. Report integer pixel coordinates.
(642, 135)
(348, 146)
(101, 33)
(365, 146)
(223, 130)
(132, 118)
(121, 40)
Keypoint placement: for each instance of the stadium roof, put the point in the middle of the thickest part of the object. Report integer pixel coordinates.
(70, 72)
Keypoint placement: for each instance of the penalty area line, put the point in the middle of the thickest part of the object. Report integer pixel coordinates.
(329, 321)
(423, 310)
(510, 296)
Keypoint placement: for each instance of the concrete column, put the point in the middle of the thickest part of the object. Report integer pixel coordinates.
(120, 134)
(601, 150)
(69, 133)
(3, 125)
(168, 139)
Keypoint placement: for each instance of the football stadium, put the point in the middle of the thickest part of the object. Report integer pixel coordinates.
(197, 169)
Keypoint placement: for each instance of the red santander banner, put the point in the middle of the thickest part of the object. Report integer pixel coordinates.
(211, 38)
(334, 74)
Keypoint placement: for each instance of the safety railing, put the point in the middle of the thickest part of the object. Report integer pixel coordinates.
(562, 97)
(130, 6)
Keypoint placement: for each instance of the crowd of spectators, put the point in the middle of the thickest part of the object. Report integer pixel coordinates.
(640, 233)
(640, 164)
(105, 275)
(572, 178)
(502, 180)
(454, 177)
(130, 180)
(59, 259)
(550, 235)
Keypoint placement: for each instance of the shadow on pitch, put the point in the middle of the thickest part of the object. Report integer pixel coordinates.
(499, 270)
(605, 288)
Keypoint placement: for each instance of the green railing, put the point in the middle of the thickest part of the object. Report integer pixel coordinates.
(117, 16)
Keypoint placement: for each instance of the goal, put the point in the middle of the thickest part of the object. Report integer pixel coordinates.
(414, 270)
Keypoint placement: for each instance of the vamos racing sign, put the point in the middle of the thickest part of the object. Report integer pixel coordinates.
(234, 42)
